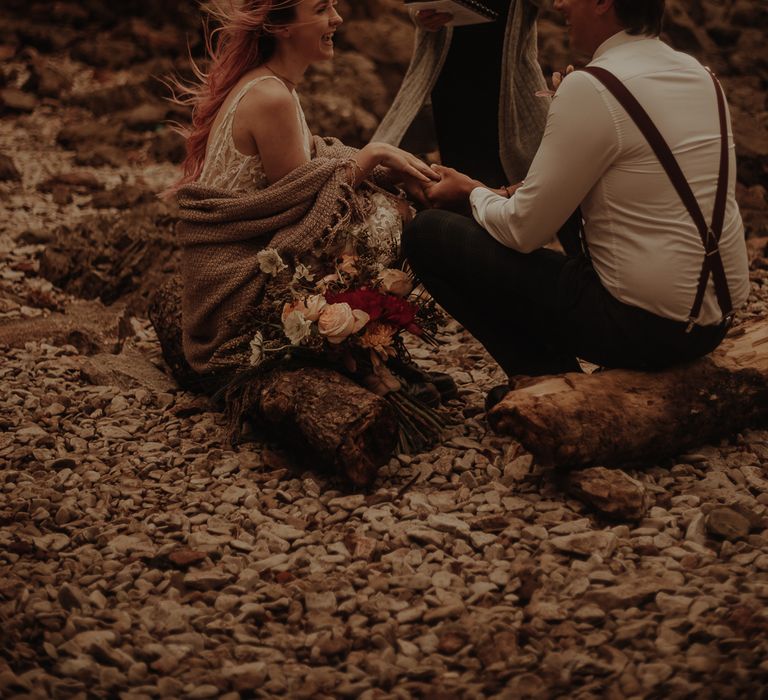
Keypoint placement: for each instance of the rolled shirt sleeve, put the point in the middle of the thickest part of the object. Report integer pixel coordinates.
(580, 141)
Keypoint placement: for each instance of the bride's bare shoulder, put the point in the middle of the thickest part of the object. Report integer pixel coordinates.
(266, 111)
(265, 95)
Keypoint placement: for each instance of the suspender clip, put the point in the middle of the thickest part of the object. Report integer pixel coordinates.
(691, 324)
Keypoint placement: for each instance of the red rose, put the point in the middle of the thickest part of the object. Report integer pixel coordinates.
(368, 300)
(380, 307)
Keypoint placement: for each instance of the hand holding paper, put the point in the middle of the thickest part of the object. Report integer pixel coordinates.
(432, 20)
(461, 11)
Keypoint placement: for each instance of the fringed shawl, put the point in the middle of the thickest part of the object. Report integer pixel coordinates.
(522, 115)
(221, 233)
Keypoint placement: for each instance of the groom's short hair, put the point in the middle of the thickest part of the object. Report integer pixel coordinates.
(640, 16)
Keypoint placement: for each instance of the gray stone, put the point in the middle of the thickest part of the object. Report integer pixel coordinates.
(727, 523)
(208, 580)
(586, 543)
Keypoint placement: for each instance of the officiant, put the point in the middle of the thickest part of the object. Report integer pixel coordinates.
(481, 79)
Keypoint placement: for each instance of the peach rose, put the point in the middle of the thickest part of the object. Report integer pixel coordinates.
(309, 307)
(395, 282)
(338, 321)
(313, 307)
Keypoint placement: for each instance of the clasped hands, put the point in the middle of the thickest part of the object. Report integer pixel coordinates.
(431, 187)
(450, 190)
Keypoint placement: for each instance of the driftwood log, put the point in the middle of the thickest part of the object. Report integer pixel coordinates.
(321, 412)
(341, 425)
(622, 416)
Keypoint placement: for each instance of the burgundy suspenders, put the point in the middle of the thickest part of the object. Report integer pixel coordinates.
(710, 235)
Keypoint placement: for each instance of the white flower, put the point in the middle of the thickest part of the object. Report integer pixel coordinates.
(322, 285)
(348, 264)
(257, 350)
(385, 221)
(296, 327)
(357, 231)
(302, 272)
(270, 261)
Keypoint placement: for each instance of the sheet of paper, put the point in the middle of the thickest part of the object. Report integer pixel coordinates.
(461, 14)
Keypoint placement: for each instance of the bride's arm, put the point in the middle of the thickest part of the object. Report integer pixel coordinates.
(400, 163)
(268, 118)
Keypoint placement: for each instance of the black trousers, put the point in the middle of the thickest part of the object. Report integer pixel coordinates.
(536, 313)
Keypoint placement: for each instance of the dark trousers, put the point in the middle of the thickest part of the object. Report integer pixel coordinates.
(536, 313)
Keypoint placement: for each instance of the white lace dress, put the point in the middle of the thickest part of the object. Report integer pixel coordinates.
(228, 169)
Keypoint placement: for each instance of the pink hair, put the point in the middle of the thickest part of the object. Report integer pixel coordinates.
(241, 42)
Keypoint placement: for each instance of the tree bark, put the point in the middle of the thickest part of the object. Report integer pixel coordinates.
(622, 416)
(343, 426)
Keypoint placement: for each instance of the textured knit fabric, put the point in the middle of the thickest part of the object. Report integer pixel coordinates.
(221, 232)
(522, 115)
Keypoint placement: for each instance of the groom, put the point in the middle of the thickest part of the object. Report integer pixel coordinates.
(660, 276)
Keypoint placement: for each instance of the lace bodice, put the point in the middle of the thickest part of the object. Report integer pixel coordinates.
(229, 169)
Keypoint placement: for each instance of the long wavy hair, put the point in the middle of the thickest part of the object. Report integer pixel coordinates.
(243, 40)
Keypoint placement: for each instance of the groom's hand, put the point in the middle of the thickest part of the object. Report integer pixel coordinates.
(452, 190)
(415, 190)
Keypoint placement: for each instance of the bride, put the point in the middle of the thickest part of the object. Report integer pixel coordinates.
(254, 177)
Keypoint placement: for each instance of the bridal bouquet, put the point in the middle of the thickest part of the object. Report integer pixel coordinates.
(354, 315)
(352, 312)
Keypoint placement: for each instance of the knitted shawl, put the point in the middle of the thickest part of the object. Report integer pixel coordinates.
(220, 234)
(522, 115)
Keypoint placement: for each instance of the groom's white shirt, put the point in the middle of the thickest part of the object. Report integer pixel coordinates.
(643, 243)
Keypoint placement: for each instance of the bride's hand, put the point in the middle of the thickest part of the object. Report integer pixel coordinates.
(401, 163)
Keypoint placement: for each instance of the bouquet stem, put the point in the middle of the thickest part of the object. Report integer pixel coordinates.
(419, 425)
